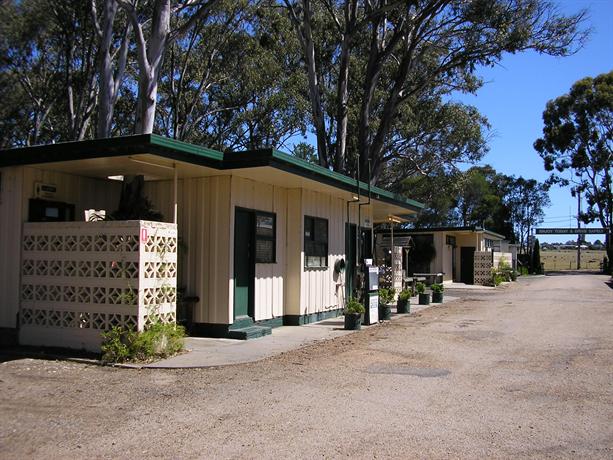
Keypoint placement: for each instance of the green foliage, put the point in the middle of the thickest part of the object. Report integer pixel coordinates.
(354, 306)
(503, 273)
(497, 278)
(420, 288)
(160, 340)
(386, 295)
(405, 294)
(535, 265)
(422, 253)
(578, 140)
(437, 287)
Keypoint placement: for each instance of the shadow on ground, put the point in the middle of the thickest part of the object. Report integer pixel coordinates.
(572, 272)
(13, 353)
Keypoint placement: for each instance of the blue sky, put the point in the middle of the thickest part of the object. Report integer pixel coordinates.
(514, 97)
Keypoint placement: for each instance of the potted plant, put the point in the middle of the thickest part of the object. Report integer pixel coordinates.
(353, 315)
(424, 297)
(404, 301)
(437, 293)
(386, 298)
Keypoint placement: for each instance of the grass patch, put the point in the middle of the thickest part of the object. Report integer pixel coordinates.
(159, 341)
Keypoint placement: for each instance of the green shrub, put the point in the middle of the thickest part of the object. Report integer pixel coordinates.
(437, 287)
(354, 306)
(497, 278)
(160, 340)
(420, 288)
(386, 295)
(405, 294)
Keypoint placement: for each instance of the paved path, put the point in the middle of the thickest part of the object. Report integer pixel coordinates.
(209, 352)
(522, 372)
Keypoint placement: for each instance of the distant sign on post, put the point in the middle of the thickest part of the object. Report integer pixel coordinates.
(571, 231)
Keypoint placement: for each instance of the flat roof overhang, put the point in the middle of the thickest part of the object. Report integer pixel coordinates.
(156, 157)
(456, 230)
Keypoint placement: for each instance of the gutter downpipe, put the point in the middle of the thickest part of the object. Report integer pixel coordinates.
(360, 212)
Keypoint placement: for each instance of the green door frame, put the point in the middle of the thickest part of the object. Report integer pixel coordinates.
(244, 263)
(350, 254)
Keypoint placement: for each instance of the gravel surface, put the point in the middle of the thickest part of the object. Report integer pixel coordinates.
(525, 371)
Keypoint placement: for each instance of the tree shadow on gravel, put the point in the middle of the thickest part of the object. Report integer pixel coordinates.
(572, 272)
(14, 353)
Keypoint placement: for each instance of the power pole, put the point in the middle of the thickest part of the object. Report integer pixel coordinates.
(578, 234)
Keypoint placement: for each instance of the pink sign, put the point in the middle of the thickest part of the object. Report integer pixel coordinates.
(143, 235)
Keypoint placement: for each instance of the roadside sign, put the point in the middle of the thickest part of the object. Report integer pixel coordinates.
(571, 231)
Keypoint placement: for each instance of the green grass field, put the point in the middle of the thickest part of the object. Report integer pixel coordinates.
(562, 259)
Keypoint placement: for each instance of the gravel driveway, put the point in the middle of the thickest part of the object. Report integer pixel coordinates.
(524, 371)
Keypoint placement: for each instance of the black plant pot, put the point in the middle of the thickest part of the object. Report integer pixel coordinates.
(385, 312)
(353, 321)
(437, 297)
(424, 299)
(403, 306)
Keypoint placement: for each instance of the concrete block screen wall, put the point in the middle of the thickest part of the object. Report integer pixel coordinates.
(80, 279)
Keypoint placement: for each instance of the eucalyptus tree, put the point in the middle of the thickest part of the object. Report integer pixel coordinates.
(153, 33)
(526, 200)
(47, 62)
(388, 54)
(113, 38)
(233, 82)
(578, 139)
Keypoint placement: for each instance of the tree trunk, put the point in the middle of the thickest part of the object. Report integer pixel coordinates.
(149, 56)
(109, 79)
(314, 89)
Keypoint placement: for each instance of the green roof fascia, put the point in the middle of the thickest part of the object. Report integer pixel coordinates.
(468, 228)
(190, 153)
(112, 147)
(317, 172)
(185, 148)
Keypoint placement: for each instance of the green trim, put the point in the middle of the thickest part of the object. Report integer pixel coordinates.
(225, 331)
(190, 153)
(180, 146)
(468, 228)
(301, 320)
(272, 323)
(376, 192)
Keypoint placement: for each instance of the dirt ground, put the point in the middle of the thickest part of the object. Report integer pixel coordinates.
(525, 371)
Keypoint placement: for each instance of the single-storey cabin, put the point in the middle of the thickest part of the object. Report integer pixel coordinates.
(255, 239)
(458, 253)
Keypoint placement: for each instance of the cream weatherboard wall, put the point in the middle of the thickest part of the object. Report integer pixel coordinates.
(206, 228)
(321, 289)
(17, 187)
(204, 221)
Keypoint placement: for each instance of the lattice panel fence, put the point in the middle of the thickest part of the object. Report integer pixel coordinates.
(385, 271)
(82, 278)
(483, 268)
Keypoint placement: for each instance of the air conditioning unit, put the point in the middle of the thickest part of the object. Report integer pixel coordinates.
(45, 190)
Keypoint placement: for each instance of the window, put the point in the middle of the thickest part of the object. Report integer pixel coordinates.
(315, 242)
(265, 235)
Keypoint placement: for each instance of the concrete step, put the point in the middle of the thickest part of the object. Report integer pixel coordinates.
(250, 332)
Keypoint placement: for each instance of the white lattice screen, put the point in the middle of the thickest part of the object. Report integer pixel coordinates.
(82, 278)
(483, 268)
